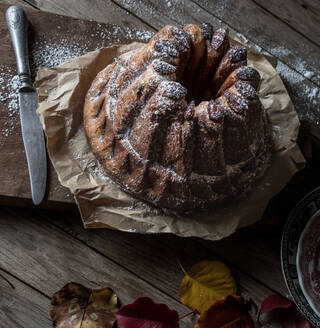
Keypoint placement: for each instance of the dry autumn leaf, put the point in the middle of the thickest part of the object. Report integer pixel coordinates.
(229, 312)
(76, 306)
(290, 316)
(273, 302)
(144, 313)
(206, 282)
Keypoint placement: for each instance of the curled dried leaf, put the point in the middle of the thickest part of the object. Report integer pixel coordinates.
(274, 302)
(228, 312)
(290, 317)
(77, 306)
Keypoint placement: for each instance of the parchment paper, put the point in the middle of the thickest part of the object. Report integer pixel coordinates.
(62, 91)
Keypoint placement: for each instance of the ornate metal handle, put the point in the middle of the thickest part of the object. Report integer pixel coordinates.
(18, 26)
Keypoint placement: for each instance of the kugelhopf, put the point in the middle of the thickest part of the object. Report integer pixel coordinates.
(178, 122)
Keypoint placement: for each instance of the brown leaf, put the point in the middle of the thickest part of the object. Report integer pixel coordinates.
(228, 312)
(77, 306)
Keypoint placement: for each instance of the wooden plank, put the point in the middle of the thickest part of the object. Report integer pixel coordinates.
(53, 39)
(155, 257)
(46, 258)
(161, 13)
(262, 27)
(302, 16)
(97, 10)
(305, 94)
(22, 306)
(15, 3)
(256, 253)
(270, 33)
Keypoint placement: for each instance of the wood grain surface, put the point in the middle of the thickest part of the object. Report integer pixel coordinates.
(22, 306)
(302, 16)
(97, 10)
(44, 256)
(266, 30)
(16, 3)
(138, 252)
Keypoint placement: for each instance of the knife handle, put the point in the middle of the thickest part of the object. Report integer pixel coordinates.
(18, 27)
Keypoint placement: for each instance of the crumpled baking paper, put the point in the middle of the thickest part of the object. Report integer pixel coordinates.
(102, 204)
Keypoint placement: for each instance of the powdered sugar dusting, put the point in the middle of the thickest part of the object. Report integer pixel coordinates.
(118, 33)
(237, 53)
(281, 51)
(9, 86)
(236, 102)
(163, 67)
(55, 53)
(300, 65)
(43, 54)
(173, 90)
(207, 31)
(247, 73)
(171, 8)
(49, 53)
(305, 95)
(254, 47)
(166, 47)
(246, 90)
(182, 38)
(299, 81)
(218, 38)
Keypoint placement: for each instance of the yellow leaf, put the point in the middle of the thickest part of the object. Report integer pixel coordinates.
(76, 306)
(206, 282)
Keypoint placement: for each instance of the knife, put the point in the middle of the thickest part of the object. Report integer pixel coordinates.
(32, 133)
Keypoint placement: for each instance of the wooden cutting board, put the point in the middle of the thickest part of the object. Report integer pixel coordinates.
(52, 40)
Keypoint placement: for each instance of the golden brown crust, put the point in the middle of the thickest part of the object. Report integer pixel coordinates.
(243, 73)
(216, 48)
(165, 149)
(235, 57)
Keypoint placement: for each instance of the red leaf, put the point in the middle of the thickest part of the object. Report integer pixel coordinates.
(143, 312)
(291, 318)
(274, 302)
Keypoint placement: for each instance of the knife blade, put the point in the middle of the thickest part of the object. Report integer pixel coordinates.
(32, 133)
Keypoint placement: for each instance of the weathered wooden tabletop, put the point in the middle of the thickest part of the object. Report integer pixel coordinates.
(41, 250)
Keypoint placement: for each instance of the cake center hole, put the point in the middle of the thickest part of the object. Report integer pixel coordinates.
(197, 90)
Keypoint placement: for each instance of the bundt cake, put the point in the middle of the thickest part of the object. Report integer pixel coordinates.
(178, 122)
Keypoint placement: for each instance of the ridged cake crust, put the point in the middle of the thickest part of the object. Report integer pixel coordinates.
(178, 122)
